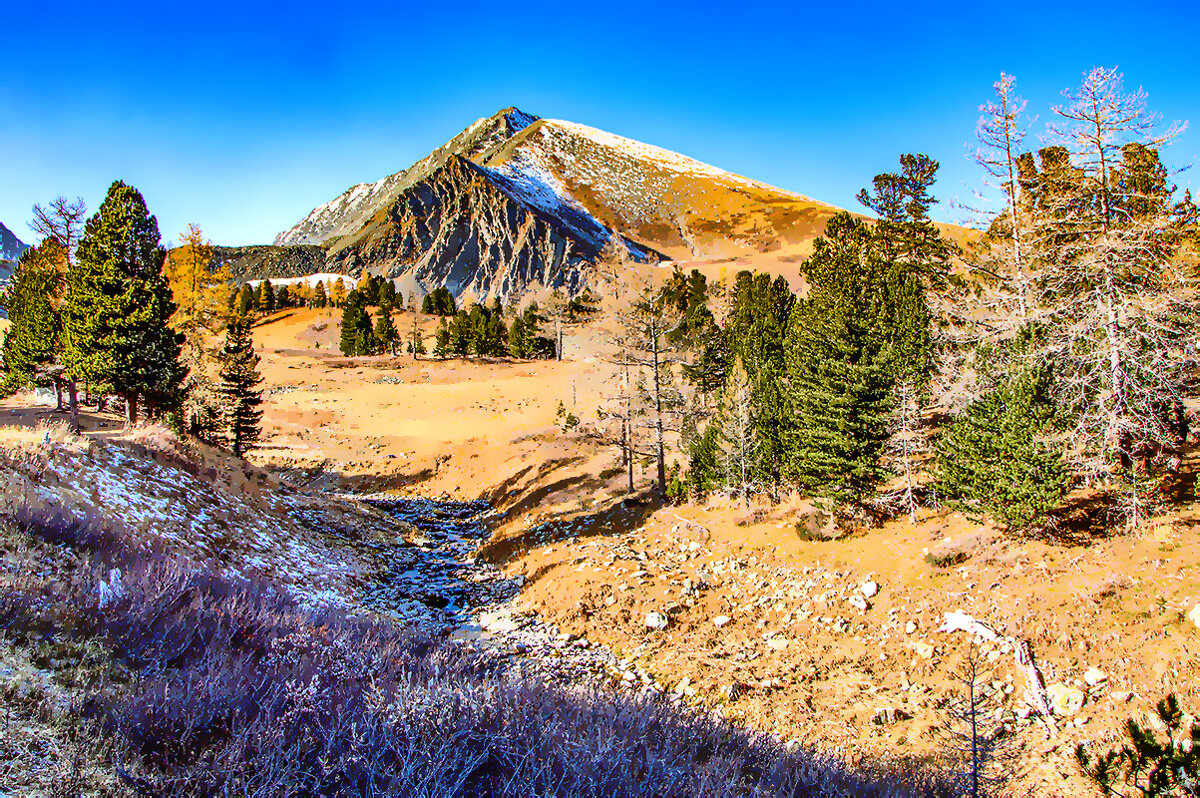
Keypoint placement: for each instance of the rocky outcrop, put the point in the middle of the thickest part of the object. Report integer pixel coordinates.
(347, 213)
(257, 262)
(474, 232)
(11, 247)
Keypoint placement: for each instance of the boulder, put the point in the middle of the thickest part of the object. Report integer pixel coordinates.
(656, 620)
(869, 588)
(1065, 700)
(721, 620)
(889, 716)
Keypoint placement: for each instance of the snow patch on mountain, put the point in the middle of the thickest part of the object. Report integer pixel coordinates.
(657, 155)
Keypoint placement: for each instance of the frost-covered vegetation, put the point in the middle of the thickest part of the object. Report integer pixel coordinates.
(215, 684)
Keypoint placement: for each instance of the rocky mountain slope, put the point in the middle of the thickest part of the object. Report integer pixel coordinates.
(270, 261)
(11, 248)
(515, 202)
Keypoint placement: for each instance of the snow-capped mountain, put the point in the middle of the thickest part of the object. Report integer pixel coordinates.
(515, 202)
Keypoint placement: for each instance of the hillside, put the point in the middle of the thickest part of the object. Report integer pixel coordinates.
(515, 203)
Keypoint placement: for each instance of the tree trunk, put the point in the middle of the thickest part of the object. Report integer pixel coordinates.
(627, 447)
(73, 401)
(659, 442)
(131, 408)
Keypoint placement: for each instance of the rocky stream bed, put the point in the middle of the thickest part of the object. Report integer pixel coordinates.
(438, 583)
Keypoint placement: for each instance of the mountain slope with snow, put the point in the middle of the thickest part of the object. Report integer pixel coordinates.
(515, 203)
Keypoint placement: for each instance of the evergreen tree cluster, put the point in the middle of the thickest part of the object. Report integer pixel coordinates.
(805, 386)
(439, 302)
(1062, 339)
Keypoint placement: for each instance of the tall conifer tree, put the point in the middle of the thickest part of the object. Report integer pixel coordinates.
(841, 363)
(115, 329)
(239, 388)
(33, 340)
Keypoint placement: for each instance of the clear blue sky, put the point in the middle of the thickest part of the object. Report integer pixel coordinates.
(243, 116)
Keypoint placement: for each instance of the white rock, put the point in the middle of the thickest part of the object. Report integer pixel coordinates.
(961, 622)
(923, 650)
(111, 591)
(1194, 616)
(1094, 676)
(683, 685)
(656, 620)
(910, 627)
(1064, 699)
(869, 588)
(778, 643)
(721, 620)
(858, 602)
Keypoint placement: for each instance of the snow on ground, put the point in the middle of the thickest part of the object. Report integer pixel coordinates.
(309, 280)
(218, 512)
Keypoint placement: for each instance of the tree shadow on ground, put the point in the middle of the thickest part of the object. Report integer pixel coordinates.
(616, 518)
(325, 477)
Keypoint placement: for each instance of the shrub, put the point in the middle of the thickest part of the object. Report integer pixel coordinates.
(994, 457)
(1164, 768)
(239, 690)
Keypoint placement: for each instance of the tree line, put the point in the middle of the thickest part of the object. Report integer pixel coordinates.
(476, 330)
(99, 302)
(1055, 351)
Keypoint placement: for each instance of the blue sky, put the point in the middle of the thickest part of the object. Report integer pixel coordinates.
(243, 116)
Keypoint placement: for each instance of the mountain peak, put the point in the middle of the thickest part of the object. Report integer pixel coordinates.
(11, 247)
(516, 117)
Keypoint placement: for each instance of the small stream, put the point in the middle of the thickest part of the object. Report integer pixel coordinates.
(439, 584)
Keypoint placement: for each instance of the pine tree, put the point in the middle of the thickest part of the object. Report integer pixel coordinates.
(1001, 135)
(338, 293)
(33, 342)
(518, 343)
(704, 470)
(737, 439)
(997, 456)
(905, 233)
(1121, 306)
(460, 334)
(840, 367)
(115, 320)
(63, 222)
(385, 329)
(416, 340)
(643, 329)
(246, 301)
(267, 303)
(441, 341)
(319, 299)
(239, 390)
(357, 332)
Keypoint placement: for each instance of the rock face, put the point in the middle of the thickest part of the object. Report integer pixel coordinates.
(11, 248)
(515, 203)
(253, 262)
